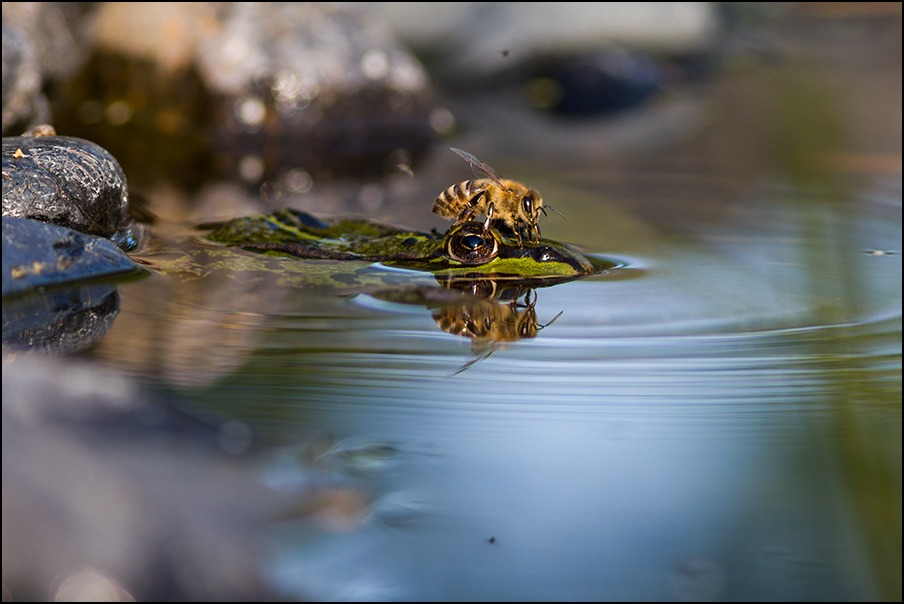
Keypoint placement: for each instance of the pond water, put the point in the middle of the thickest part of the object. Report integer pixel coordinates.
(718, 418)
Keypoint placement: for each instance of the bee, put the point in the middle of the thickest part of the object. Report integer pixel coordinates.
(508, 201)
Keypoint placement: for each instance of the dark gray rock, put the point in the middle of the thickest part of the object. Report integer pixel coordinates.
(38, 255)
(66, 181)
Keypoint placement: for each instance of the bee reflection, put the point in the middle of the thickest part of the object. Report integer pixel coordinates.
(491, 324)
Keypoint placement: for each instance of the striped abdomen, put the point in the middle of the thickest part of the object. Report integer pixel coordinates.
(462, 200)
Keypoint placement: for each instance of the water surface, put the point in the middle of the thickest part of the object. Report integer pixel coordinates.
(717, 418)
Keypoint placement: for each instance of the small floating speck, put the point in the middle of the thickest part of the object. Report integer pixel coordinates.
(880, 252)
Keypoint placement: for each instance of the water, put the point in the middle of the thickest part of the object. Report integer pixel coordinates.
(718, 419)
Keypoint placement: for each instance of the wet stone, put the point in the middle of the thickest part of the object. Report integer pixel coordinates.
(65, 181)
(38, 255)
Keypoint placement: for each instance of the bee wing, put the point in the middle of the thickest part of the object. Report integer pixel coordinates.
(477, 165)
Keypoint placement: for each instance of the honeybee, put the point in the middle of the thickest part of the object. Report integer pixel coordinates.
(499, 199)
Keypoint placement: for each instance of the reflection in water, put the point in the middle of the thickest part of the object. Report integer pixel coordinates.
(222, 298)
(491, 324)
(61, 321)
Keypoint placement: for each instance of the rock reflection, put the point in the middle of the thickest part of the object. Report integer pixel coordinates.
(62, 321)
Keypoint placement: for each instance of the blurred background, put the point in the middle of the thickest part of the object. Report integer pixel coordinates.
(719, 421)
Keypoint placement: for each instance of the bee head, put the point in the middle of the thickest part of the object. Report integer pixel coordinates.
(529, 204)
(528, 326)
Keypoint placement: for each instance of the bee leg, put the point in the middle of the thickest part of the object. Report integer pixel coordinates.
(471, 325)
(465, 215)
(468, 212)
(525, 292)
(486, 224)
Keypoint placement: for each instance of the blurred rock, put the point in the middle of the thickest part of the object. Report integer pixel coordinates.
(42, 42)
(111, 492)
(592, 84)
(56, 30)
(320, 87)
(65, 181)
(23, 102)
(472, 40)
(579, 80)
(105, 488)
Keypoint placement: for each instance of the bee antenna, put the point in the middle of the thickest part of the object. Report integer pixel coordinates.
(553, 209)
(553, 320)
